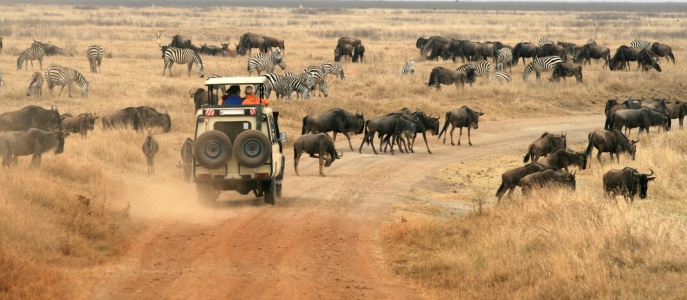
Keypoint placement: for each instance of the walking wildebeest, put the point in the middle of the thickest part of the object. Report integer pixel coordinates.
(612, 141)
(124, 117)
(678, 110)
(461, 117)
(150, 148)
(562, 158)
(511, 178)
(663, 50)
(272, 42)
(391, 124)
(248, 41)
(612, 106)
(524, 49)
(151, 117)
(589, 51)
(79, 124)
(627, 182)
(32, 141)
(625, 54)
(31, 117)
(564, 70)
(186, 163)
(358, 53)
(441, 75)
(546, 178)
(423, 124)
(336, 120)
(544, 145)
(318, 145)
(643, 118)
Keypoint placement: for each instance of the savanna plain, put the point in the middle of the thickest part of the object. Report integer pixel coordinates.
(89, 223)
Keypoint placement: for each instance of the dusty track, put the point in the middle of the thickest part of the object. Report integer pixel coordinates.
(321, 241)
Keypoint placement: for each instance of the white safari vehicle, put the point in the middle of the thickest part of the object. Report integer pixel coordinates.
(237, 147)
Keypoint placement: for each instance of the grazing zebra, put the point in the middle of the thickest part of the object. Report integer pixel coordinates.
(36, 85)
(641, 44)
(541, 64)
(504, 56)
(304, 78)
(173, 55)
(333, 68)
(62, 76)
(500, 76)
(265, 63)
(36, 52)
(94, 53)
(481, 67)
(407, 68)
(318, 79)
(545, 41)
(285, 86)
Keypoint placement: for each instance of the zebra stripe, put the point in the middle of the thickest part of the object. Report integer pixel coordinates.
(318, 79)
(305, 78)
(545, 41)
(481, 67)
(541, 64)
(62, 76)
(287, 85)
(265, 63)
(36, 85)
(500, 76)
(94, 53)
(36, 52)
(641, 44)
(504, 56)
(407, 68)
(272, 81)
(333, 68)
(173, 55)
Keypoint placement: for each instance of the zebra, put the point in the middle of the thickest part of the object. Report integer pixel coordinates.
(545, 41)
(271, 82)
(481, 67)
(36, 52)
(55, 75)
(318, 77)
(500, 76)
(334, 68)
(407, 68)
(641, 44)
(94, 53)
(285, 86)
(504, 56)
(305, 78)
(173, 55)
(36, 85)
(541, 64)
(265, 63)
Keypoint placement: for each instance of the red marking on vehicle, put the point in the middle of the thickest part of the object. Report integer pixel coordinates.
(209, 112)
(252, 111)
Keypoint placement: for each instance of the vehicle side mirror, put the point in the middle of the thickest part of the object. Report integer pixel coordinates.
(282, 137)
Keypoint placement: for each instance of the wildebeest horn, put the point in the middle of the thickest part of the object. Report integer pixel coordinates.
(652, 173)
(338, 156)
(636, 141)
(190, 92)
(481, 112)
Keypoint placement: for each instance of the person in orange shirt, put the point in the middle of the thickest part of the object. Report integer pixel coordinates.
(251, 99)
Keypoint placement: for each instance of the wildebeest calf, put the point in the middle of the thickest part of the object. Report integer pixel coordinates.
(150, 148)
(566, 70)
(511, 178)
(318, 145)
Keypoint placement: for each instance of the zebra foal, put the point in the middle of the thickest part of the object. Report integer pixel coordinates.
(36, 85)
(407, 68)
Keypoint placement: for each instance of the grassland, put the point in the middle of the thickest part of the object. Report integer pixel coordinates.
(83, 207)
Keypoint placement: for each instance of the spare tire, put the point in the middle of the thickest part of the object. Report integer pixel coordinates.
(252, 148)
(212, 149)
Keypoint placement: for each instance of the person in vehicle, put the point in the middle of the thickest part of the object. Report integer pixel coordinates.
(233, 97)
(251, 99)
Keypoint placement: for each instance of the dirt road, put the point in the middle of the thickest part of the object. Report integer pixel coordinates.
(321, 241)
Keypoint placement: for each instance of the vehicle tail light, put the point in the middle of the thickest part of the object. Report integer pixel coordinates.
(262, 175)
(203, 176)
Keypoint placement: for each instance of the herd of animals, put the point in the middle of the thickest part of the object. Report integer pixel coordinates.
(33, 130)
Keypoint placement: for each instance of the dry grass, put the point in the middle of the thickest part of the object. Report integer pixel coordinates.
(72, 212)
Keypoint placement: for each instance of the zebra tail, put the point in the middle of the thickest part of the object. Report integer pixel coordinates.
(445, 125)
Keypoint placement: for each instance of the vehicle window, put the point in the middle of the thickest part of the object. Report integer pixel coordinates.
(273, 131)
(232, 129)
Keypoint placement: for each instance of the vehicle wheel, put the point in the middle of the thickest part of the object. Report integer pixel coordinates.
(206, 194)
(277, 188)
(270, 196)
(252, 148)
(212, 149)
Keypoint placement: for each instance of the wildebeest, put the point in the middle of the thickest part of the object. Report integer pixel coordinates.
(341, 51)
(36, 85)
(123, 118)
(31, 116)
(625, 54)
(562, 158)
(51, 50)
(464, 48)
(423, 124)
(200, 97)
(570, 48)
(441, 75)
(627, 182)
(546, 178)
(544, 145)
(678, 110)
(612, 106)
(552, 50)
(150, 148)
(336, 120)
(436, 46)
(210, 50)
(358, 53)
(524, 49)
(79, 124)
(589, 51)
(248, 41)
(318, 145)
(564, 70)
(663, 50)
(421, 42)
(461, 117)
(226, 52)
(272, 42)
(511, 178)
(643, 118)
(32, 141)
(151, 117)
(489, 50)
(389, 125)
(612, 141)
(186, 163)
(179, 41)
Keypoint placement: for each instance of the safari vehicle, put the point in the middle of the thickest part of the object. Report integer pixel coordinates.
(237, 147)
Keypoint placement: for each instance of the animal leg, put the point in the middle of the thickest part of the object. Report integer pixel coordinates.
(322, 165)
(452, 129)
(469, 141)
(295, 162)
(347, 137)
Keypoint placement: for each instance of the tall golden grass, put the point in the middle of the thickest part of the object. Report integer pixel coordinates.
(74, 210)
